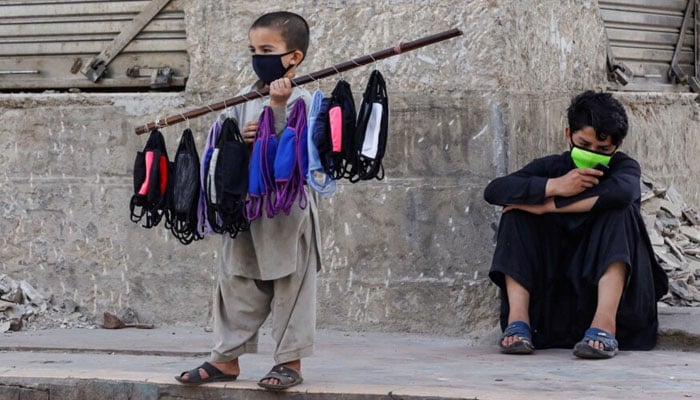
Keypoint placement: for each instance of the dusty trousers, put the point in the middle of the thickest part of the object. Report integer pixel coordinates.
(241, 305)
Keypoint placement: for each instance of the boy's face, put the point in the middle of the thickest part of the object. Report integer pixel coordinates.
(267, 41)
(586, 138)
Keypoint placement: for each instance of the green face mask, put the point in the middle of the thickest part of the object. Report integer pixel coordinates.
(588, 159)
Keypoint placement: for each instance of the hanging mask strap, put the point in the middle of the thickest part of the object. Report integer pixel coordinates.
(372, 128)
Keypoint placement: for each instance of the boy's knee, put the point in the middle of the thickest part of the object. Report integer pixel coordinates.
(518, 218)
(616, 216)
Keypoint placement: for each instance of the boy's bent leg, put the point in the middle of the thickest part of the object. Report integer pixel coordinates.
(240, 308)
(527, 255)
(518, 305)
(610, 289)
(599, 340)
(518, 301)
(294, 314)
(616, 236)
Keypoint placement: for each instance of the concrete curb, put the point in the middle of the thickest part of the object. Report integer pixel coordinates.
(89, 389)
(679, 328)
(101, 364)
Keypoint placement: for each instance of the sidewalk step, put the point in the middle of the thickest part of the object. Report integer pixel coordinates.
(83, 364)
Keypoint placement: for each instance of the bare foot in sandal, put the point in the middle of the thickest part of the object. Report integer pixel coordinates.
(517, 339)
(282, 376)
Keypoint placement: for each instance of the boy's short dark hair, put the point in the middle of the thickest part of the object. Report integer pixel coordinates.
(600, 111)
(293, 28)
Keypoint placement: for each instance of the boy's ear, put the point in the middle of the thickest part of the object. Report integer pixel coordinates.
(567, 131)
(297, 57)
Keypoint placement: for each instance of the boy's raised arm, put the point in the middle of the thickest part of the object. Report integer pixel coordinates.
(526, 186)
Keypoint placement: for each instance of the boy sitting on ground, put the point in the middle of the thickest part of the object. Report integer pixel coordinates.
(573, 258)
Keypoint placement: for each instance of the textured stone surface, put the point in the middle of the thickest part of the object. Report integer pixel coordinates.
(409, 253)
(530, 45)
(665, 138)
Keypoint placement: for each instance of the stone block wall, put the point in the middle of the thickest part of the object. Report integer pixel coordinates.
(410, 253)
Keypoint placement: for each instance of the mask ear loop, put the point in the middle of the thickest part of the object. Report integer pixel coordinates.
(265, 102)
(318, 83)
(212, 110)
(246, 98)
(376, 63)
(227, 112)
(339, 73)
(187, 121)
(356, 63)
(163, 124)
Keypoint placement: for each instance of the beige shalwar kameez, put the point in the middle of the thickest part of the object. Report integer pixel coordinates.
(269, 270)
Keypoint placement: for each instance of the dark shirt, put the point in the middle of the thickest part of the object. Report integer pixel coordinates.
(560, 257)
(618, 189)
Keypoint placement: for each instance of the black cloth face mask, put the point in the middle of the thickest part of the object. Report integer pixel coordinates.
(269, 67)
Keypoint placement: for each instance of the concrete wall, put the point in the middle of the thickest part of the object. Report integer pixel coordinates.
(410, 253)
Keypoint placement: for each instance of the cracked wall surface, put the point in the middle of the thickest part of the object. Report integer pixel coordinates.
(409, 253)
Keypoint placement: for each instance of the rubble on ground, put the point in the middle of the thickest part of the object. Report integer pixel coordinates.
(130, 320)
(674, 230)
(23, 307)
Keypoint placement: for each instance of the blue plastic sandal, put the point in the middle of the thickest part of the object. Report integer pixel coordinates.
(585, 350)
(523, 346)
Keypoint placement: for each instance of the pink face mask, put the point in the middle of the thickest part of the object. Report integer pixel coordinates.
(335, 114)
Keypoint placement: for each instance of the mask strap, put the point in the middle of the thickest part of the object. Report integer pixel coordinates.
(274, 55)
(339, 73)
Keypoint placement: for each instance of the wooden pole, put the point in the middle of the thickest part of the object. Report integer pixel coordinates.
(301, 80)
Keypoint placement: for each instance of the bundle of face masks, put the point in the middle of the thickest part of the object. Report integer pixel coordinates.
(277, 169)
(261, 182)
(151, 168)
(235, 187)
(352, 146)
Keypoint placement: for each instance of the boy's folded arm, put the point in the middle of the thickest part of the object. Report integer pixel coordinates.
(516, 189)
(526, 186)
(618, 190)
(578, 206)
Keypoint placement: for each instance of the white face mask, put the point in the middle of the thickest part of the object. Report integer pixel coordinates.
(370, 145)
(211, 187)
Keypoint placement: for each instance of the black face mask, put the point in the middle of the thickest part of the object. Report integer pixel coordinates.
(269, 67)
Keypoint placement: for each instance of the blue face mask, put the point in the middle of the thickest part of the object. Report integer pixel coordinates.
(269, 67)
